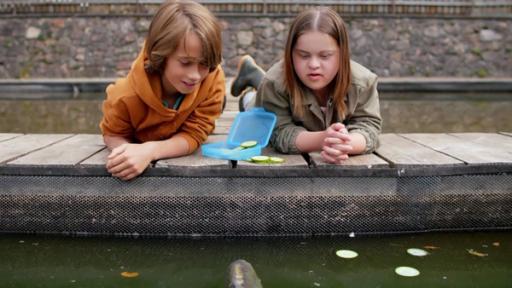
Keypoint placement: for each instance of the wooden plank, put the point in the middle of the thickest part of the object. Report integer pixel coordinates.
(98, 159)
(19, 146)
(224, 122)
(289, 160)
(492, 140)
(221, 130)
(7, 136)
(467, 151)
(67, 152)
(231, 106)
(366, 160)
(196, 159)
(228, 115)
(401, 151)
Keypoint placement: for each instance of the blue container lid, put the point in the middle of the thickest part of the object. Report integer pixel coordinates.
(255, 124)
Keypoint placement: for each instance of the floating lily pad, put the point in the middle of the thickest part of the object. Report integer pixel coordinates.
(417, 252)
(347, 254)
(407, 271)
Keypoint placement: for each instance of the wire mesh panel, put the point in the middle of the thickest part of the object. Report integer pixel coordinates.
(187, 206)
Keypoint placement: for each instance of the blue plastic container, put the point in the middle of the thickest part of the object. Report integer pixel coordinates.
(255, 124)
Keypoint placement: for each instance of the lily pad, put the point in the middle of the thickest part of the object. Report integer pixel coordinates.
(347, 254)
(407, 271)
(417, 252)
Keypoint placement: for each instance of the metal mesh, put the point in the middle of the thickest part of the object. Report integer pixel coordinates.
(182, 206)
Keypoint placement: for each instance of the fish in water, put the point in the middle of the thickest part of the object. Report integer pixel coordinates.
(242, 275)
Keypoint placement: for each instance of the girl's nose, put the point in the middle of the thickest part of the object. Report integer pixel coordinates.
(313, 63)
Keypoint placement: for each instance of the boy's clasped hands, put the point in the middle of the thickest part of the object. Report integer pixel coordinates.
(337, 144)
(128, 160)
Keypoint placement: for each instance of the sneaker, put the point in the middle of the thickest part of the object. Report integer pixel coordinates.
(249, 74)
(247, 100)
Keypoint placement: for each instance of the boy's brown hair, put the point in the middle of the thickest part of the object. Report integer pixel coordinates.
(327, 21)
(171, 24)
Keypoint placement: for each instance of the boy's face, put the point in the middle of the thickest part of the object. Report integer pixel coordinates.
(185, 68)
(316, 58)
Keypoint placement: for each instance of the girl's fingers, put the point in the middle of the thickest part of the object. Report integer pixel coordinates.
(342, 158)
(333, 159)
(338, 126)
(332, 141)
(327, 158)
(339, 135)
(331, 151)
(343, 148)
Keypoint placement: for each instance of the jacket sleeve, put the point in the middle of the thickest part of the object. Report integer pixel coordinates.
(116, 117)
(201, 122)
(286, 130)
(366, 118)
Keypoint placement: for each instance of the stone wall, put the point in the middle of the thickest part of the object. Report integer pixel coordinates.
(106, 46)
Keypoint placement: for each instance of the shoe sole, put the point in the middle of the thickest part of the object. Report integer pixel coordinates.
(238, 69)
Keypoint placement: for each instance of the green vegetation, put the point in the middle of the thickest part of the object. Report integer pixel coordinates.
(482, 73)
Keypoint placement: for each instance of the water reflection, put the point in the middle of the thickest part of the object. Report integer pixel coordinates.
(64, 112)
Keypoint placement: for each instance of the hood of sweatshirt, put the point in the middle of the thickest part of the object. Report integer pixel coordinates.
(148, 87)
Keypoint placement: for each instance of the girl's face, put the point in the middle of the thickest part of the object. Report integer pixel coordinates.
(316, 58)
(185, 68)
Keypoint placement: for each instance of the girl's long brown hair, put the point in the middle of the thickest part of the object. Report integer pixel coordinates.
(171, 24)
(327, 21)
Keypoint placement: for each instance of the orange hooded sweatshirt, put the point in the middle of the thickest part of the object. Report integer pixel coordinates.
(134, 110)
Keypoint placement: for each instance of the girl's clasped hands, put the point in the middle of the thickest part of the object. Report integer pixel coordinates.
(337, 144)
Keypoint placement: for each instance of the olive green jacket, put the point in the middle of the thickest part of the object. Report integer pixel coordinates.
(363, 112)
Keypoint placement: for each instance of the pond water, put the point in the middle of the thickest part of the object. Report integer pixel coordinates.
(401, 112)
(51, 261)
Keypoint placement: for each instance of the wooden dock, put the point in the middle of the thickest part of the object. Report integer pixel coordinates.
(57, 183)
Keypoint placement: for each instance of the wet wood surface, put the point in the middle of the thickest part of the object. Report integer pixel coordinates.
(434, 150)
(415, 150)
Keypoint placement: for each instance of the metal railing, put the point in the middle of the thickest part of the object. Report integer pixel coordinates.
(317, 2)
(488, 8)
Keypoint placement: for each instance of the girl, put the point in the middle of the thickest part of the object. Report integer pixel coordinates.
(323, 101)
(167, 105)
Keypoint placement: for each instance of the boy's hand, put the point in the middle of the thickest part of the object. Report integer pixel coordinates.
(128, 161)
(336, 146)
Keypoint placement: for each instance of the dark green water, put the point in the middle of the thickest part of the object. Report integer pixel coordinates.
(44, 261)
(401, 112)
